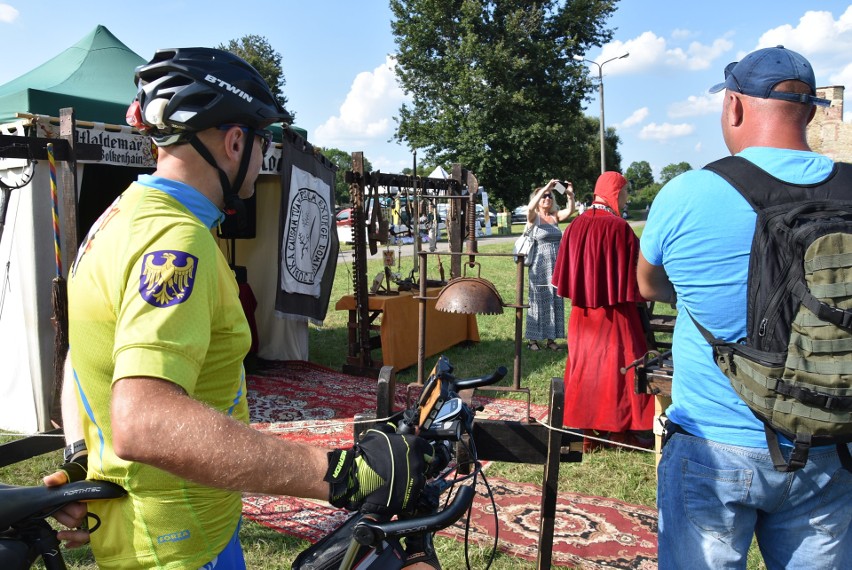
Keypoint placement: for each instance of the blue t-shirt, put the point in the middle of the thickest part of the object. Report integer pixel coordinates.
(700, 230)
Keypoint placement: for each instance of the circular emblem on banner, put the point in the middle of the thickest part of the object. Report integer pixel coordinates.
(308, 235)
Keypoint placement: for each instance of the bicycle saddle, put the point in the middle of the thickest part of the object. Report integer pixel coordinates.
(20, 503)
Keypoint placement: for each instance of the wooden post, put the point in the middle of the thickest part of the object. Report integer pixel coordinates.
(360, 261)
(519, 323)
(68, 189)
(421, 320)
(70, 241)
(454, 226)
(549, 486)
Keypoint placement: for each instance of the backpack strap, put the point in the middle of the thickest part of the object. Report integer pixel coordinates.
(840, 317)
(746, 179)
(711, 339)
(723, 347)
(798, 457)
(761, 190)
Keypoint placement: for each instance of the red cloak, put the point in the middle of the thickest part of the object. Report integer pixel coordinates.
(596, 265)
(596, 269)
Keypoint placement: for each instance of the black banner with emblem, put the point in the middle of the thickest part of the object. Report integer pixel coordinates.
(307, 256)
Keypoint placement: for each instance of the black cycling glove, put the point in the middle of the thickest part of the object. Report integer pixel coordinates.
(76, 462)
(383, 473)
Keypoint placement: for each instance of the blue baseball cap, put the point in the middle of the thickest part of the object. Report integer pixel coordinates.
(760, 71)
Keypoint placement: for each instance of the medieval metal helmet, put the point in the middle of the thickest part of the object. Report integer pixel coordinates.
(186, 90)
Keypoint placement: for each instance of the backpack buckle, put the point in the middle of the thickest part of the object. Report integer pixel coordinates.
(725, 358)
(839, 317)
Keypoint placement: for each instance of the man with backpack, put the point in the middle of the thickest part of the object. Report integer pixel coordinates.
(722, 480)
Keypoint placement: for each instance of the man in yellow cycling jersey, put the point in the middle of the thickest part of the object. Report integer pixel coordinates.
(158, 337)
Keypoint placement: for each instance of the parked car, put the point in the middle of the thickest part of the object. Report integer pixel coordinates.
(480, 215)
(343, 219)
(519, 215)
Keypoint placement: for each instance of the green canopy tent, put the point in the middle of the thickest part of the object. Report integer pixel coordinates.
(94, 76)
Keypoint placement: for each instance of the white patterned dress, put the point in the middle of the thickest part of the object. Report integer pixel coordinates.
(546, 315)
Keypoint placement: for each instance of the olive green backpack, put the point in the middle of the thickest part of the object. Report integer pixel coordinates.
(794, 368)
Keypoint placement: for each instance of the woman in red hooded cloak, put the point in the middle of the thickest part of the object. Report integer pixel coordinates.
(596, 270)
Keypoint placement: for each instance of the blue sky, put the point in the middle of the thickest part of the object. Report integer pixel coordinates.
(337, 59)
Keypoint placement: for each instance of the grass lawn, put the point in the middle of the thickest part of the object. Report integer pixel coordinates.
(627, 476)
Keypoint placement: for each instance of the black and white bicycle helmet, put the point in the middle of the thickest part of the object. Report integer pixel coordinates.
(186, 90)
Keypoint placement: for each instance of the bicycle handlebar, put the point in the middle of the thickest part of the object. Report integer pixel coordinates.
(370, 532)
(479, 381)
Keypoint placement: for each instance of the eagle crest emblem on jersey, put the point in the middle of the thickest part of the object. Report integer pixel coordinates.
(167, 277)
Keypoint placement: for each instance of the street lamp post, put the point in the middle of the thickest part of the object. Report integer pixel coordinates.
(601, 91)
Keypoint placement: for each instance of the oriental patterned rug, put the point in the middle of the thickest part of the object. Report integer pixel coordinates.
(313, 404)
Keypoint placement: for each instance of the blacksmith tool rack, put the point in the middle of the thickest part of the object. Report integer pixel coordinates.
(370, 229)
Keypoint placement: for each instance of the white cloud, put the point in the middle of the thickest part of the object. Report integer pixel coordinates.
(8, 14)
(696, 106)
(842, 77)
(635, 118)
(681, 34)
(817, 33)
(387, 163)
(666, 131)
(698, 56)
(649, 50)
(367, 112)
(644, 51)
(826, 43)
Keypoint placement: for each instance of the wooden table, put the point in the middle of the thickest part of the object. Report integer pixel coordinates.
(399, 327)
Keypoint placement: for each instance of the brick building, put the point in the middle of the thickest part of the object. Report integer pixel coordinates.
(827, 133)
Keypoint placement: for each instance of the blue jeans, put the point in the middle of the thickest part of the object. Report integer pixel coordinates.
(713, 498)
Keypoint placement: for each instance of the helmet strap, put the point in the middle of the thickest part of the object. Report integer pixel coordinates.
(230, 191)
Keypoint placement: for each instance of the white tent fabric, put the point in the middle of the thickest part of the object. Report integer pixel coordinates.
(439, 172)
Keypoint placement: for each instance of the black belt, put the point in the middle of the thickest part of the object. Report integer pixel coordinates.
(672, 428)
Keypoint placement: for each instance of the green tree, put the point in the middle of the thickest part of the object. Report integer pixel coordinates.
(259, 53)
(423, 169)
(343, 161)
(646, 195)
(639, 175)
(495, 88)
(672, 170)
